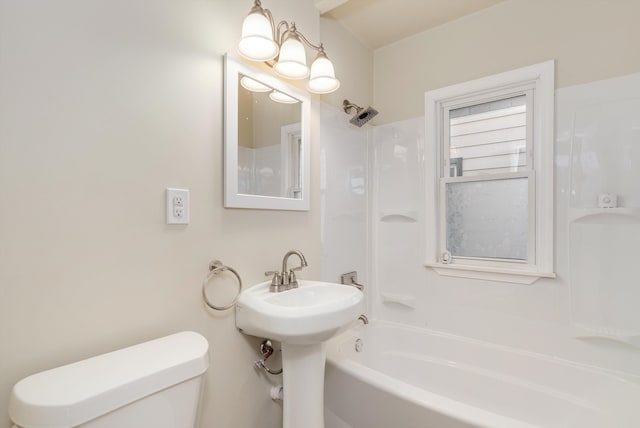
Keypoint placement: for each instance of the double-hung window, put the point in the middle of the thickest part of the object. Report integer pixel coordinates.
(490, 198)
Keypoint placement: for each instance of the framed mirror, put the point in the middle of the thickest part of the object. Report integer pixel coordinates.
(266, 141)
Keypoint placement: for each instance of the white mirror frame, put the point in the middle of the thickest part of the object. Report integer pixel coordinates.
(233, 199)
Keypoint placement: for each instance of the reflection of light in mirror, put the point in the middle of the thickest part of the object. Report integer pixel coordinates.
(253, 85)
(266, 156)
(282, 98)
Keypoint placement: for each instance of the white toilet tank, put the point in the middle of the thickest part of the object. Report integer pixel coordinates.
(154, 384)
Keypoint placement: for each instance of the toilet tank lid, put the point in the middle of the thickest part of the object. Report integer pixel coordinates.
(73, 394)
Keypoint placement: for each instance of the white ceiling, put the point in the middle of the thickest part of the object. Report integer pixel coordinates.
(378, 23)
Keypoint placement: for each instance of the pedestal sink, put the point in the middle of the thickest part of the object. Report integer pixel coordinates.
(302, 319)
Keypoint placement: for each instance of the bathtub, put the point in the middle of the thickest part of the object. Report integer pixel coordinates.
(404, 377)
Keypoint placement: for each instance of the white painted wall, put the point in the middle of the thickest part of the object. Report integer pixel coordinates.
(104, 104)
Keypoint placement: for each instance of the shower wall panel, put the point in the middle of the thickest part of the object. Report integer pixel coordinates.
(344, 195)
(547, 316)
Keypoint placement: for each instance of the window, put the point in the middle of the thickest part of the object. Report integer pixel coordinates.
(490, 199)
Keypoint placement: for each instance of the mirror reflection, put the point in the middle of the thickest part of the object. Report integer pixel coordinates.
(266, 141)
(269, 141)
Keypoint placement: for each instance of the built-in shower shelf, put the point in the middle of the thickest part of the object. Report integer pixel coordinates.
(399, 216)
(597, 215)
(399, 299)
(625, 337)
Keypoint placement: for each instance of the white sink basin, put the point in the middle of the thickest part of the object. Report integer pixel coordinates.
(301, 319)
(311, 313)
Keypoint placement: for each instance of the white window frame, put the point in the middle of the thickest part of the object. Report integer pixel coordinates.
(537, 83)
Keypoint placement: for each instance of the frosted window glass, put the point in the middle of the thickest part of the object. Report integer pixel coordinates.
(488, 218)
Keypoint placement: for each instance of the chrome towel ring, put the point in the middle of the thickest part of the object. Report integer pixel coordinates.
(215, 267)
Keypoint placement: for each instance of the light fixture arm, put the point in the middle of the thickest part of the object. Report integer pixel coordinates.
(306, 41)
(282, 47)
(279, 34)
(257, 8)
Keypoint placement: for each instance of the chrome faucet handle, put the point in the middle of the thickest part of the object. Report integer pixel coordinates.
(277, 283)
(277, 277)
(293, 281)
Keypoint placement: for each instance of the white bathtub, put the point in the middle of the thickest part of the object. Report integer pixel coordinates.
(406, 377)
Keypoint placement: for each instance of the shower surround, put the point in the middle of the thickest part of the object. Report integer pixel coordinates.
(585, 316)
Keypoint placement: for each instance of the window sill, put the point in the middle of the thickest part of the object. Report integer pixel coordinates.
(489, 273)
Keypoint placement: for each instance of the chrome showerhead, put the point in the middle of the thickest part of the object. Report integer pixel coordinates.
(362, 116)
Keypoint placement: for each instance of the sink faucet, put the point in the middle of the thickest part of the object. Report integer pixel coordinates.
(286, 280)
(290, 278)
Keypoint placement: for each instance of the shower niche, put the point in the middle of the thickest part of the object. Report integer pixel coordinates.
(604, 220)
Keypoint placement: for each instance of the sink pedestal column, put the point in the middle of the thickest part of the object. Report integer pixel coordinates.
(303, 385)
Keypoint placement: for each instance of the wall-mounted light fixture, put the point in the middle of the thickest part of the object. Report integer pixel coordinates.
(262, 40)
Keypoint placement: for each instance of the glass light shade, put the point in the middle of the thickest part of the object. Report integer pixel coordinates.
(257, 42)
(292, 62)
(322, 79)
(253, 85)
(282, 98)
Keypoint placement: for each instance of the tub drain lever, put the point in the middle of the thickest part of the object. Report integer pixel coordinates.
(266, 350)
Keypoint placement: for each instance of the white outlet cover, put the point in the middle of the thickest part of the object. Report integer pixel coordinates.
(173, 214)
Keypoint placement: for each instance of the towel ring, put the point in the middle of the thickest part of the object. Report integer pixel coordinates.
(215, 267)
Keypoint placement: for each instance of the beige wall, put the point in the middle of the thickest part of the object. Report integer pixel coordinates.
(269, 117)
(590, 40)
(353, 62)
(104, 104)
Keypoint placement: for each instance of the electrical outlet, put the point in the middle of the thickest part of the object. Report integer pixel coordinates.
(177, 204)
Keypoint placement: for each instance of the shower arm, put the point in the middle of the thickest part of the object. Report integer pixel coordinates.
(346, 106)
(361, 116)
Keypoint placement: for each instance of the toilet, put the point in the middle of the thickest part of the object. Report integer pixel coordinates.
(154, 384)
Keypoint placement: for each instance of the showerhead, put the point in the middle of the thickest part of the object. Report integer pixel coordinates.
(362, 116)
